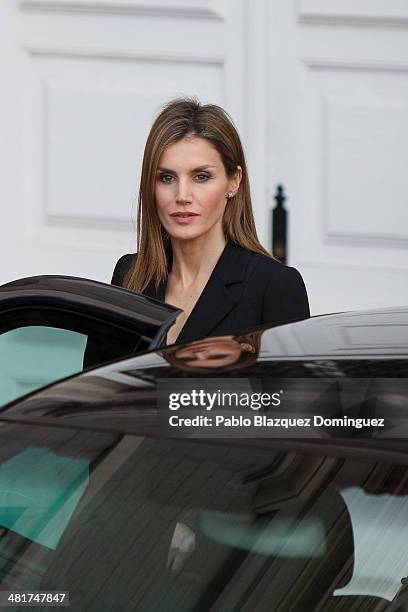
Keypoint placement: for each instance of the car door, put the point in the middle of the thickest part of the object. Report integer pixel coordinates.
(54, 326)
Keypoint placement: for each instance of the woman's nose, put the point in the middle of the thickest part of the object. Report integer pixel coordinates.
(184, 195)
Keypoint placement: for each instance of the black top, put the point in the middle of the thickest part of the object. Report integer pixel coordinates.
(245, 290)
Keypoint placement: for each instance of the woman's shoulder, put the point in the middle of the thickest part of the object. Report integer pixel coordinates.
(282, 287)
(270, 268)
(121, 268)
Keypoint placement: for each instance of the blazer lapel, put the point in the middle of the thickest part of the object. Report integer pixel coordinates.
(215, 301)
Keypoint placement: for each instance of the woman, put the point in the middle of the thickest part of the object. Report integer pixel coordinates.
(197, 243)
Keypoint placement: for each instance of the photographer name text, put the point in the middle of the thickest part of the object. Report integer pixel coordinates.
(260, 420)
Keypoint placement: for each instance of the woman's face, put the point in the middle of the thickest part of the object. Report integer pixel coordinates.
(191, 188)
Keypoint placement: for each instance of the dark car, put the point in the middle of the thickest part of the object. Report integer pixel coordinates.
(263, 471)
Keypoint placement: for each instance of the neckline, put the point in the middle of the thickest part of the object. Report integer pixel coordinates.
(213, 275)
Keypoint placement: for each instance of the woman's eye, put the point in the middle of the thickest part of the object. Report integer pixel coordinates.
(165, 178)
(202, 177)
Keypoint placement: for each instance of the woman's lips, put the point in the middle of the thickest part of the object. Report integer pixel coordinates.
(184, 217)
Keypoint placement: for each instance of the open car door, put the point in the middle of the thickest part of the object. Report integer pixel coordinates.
(54, 326)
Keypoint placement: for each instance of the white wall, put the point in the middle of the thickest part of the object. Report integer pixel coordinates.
(318, 90)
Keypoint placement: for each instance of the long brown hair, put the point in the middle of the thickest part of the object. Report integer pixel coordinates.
(181, 118)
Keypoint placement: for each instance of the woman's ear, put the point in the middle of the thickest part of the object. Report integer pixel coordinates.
(236, 180)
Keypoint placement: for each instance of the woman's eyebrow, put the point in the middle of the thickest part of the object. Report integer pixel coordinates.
(198, 169)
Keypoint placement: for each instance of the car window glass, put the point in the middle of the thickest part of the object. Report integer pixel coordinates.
(39, 491)
(153, 524)
(33, 354)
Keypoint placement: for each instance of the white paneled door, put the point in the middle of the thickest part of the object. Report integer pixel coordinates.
(81, 82)
(338, 91)
(318, 90)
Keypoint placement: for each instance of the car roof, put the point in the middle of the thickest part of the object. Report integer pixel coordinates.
(380, 333)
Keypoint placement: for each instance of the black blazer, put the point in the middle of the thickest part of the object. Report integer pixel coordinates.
(245, 290)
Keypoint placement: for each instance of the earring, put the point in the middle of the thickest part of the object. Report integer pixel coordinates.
(230, 194)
